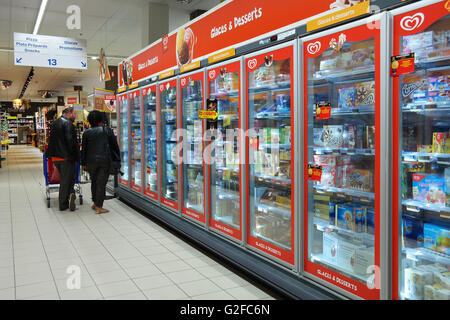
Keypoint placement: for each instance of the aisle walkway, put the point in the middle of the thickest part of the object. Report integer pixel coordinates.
(121, 254)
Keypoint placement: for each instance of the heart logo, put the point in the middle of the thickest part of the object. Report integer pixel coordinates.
(313, 47)
(212, 74)
(409, 23)
(183, 81)
(252, 63)
(161, 88)
(165, 40)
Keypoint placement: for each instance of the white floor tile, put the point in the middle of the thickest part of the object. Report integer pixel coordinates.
(34, 290)
(230, 281)
(166, 293)
(7, 294)
(163, 257)
(129, 296)
(33, 277)
(172, 266)
(90, 293)
(118, 288)
(133, 262)
(152, 282)
(185, 276)
(102, 267)
(6, 282)
(220, 295)
(199, 287)
(110, 276)
(214, 271)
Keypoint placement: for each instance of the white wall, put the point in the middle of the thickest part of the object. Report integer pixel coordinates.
(177, 18)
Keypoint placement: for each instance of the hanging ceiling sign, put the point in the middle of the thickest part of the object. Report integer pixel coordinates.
(50, 52)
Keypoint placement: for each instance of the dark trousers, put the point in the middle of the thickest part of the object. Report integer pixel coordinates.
(66, 171)
(99, 173)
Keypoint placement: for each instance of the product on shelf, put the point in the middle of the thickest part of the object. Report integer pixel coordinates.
(351, 217)
(415, 282)
(414, 89)
(412, 229)
(365, 94)
(426, 148)
(440, 140)
(332, 136)
(421, 44)
(436, 238)
(346, 97)
(363, 258)
(447, 183)
(429, 188)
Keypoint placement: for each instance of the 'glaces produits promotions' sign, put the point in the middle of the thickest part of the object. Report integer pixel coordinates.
(226, 26)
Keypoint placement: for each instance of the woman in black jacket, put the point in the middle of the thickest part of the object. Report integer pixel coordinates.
(100, 152)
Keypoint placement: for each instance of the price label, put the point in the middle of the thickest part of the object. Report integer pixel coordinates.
(403, 64)
(323, 111)
(314, 172)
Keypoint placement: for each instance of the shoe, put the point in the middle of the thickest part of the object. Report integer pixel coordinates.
(94, 207)
(99, 210)
(63, 209)
(72, 202)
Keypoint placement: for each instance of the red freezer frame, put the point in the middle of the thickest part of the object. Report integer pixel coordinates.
(119, 131)
(212, 74)
(408, 23)
(314, 48)
(132, 95)
(147, 192)
(184, 81)
(161, 88)
(251, 64)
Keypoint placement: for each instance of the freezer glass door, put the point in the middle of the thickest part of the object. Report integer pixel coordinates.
(136, 141)
(123, 127)
(224, 85)
(423, 144)
(341, 156)
(270, 169)
(150, 142)
(169, 168)
(192, 125)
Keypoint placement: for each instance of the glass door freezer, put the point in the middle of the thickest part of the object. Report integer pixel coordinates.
(421, 153)
(270, 152)
(151, 144)
(225, 193)
(193, 170)
(343, 134)
(123, 115)
(169, 138)
(135, 105)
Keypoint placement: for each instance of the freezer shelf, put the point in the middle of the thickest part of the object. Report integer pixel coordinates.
(325, 226)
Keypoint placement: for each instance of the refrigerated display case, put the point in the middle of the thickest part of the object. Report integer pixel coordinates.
(224, 83)
(123, 138)
(342, 112)
(150, 142)
(270, 152)
(169, 138)
(135, 105)
(421, 154)
(193, 170)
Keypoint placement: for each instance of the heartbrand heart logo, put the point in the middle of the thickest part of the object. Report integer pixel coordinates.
(212, 74)
(252, 63)
(313, 47)
(183, 81)
(410, 23)
(161, 88)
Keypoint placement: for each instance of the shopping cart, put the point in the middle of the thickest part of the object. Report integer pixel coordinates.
(52, 179)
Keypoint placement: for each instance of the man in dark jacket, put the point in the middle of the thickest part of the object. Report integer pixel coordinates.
(100, 154)
(64, 151)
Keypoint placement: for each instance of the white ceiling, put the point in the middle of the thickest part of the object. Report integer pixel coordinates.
(115, 25)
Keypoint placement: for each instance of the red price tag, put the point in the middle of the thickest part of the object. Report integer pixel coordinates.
(314, 172)
(402, 64)
(323, 112)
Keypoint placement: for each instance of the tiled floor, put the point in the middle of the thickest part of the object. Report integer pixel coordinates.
(118, 255)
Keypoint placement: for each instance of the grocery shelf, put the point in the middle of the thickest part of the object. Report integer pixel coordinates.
(427, 106)
(323, 225)
(225, 194)
(227, 169)
(347, 271)
(271, 179)
(195, 207)
(349, 192)
(417, 155)
(228, 220)
(271, 87)
(273, 209)
(274, 146)
(334, 74)
(425, 206)
(343, 151)
(352, 111)
(225, 93)
(426, 254)
(273, 115)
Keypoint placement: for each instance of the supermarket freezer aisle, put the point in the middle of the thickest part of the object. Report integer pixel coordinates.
(119, 255)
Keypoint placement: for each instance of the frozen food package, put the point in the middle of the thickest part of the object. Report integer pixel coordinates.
(436, 238)
(439, 142)
(345, 216)
(412, 232)
(416, 42)
(346, 97)
(365, 94)
(363, 259)
(415, 282)
(359, 179)
(333, 136)
(411, 84)
(346, 252)
(330, 247)
(429, 188)
(317, 133)
(447, 189)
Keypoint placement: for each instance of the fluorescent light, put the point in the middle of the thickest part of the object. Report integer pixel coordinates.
(40, 16)
(94, 58)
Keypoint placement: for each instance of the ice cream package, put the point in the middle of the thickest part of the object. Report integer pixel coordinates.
(429, 188)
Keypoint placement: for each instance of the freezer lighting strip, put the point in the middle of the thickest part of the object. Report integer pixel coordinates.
(40, 16)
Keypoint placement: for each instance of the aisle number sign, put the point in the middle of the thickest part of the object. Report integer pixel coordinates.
(49, 51)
